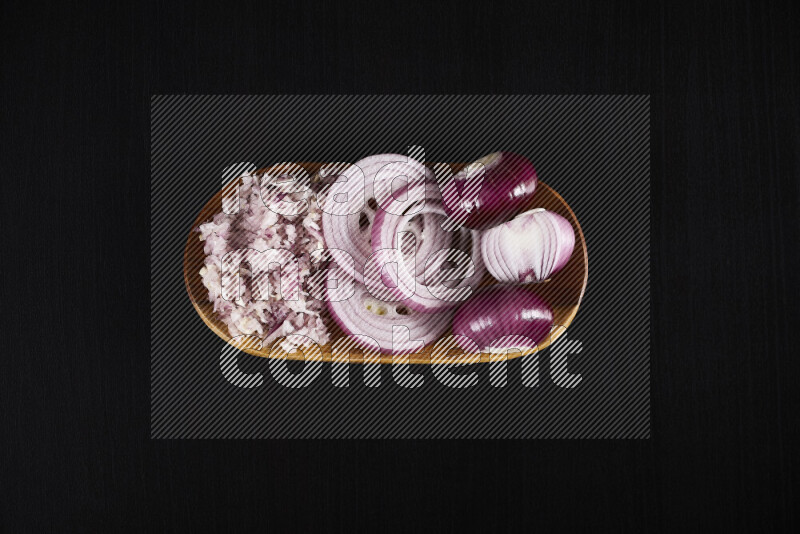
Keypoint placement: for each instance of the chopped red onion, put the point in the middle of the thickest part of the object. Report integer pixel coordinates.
(256, 311)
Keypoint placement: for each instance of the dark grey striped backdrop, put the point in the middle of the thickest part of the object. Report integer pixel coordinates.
(593, 150)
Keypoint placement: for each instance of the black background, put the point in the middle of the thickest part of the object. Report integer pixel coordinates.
(75, 386)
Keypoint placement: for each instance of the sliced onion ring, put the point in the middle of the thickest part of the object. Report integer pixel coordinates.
(429, 241)
(349, 205)
(373, 321)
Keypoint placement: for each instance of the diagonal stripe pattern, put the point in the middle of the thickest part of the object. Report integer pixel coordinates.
(593, 383)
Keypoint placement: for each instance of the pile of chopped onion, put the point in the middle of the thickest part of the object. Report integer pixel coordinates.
(257, 227)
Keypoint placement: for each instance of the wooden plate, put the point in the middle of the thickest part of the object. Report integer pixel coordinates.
(563, 292)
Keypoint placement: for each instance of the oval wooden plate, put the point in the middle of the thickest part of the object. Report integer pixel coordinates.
(563, 291)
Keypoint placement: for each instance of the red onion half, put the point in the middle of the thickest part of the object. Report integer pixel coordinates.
(349, 205)
(530, 248)
(418, 234)
(503, 317)
(372, 323)
(490, 190)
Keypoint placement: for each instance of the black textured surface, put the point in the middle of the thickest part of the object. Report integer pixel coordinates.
(75, 388)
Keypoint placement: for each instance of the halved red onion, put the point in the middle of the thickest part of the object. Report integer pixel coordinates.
(504, 317)
(490, 190)
(374, 322)
(530, 248)
(349, 204)
(401, 237)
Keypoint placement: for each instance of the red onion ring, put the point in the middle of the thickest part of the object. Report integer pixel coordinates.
(364, 315)
(349, 205)
(432, 239)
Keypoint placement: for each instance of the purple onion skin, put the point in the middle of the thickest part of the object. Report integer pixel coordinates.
(499, 311)
(508, 184)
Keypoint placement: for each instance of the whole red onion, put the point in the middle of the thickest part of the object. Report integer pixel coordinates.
(500, 317)
(490, 191)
